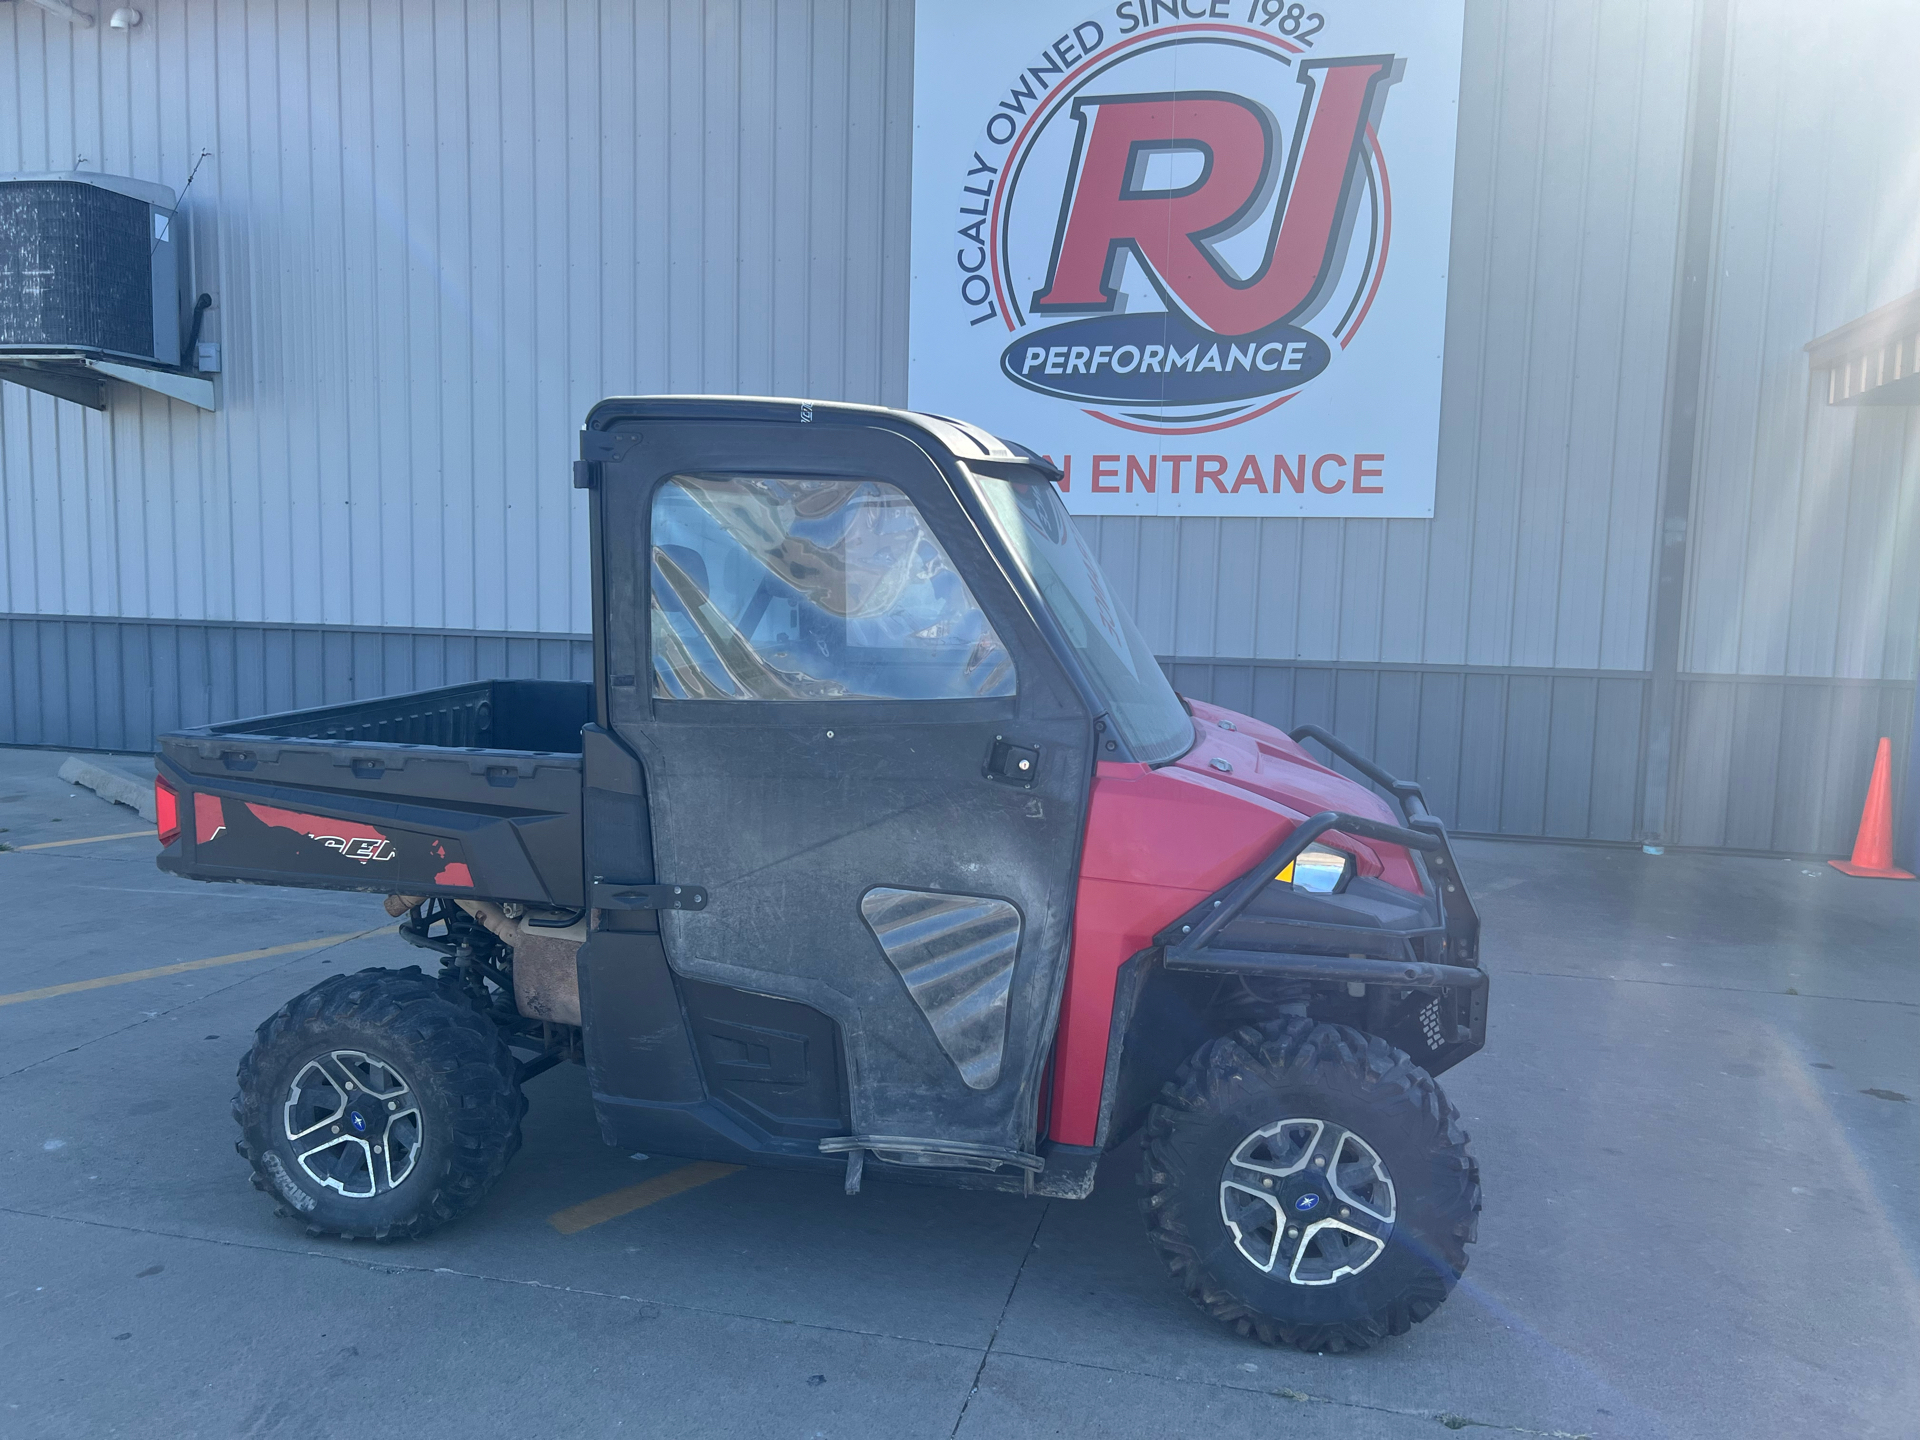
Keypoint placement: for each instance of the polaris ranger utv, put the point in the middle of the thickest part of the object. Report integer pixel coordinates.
(879, 844)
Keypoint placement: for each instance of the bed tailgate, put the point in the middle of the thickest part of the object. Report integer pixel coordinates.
(351, 815)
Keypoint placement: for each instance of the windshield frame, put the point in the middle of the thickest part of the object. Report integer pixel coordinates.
(978, 475)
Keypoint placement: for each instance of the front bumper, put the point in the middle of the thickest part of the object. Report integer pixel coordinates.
(1414, 963)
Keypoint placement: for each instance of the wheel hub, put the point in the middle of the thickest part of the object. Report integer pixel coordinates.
(1303, 1199)
(1307, 1199)
(353, 1123)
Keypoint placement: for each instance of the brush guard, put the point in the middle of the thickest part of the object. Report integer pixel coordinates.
(1434, 982)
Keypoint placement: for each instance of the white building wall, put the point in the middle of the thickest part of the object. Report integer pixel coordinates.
(435, 235)
(437, 232)
(1802, 616)
(1808, 517)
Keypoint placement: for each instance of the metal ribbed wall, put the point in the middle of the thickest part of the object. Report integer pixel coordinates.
(436, 232)
(1803, 594)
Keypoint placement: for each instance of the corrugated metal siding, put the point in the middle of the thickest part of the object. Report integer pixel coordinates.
(1806, 528)
(436, 233)
(1545, 753)
(1803, 598)
(1782, 764)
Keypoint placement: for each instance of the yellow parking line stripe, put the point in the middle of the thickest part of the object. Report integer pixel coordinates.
(83, 840)
(612, 1206)
(74, 987)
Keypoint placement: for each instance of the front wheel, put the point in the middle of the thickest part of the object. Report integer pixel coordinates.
(378, 1105)
(1309, 1185)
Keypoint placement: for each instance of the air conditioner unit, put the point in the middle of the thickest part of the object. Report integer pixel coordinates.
(92, 271)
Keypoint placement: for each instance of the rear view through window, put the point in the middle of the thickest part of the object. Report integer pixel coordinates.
(797, 589)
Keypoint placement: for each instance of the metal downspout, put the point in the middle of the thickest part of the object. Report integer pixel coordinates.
(1685, 386)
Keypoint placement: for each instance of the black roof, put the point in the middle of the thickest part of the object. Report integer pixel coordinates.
(957, 438)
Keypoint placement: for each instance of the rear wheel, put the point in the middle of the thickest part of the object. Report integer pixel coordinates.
(1309, 1185)
(378, 1105)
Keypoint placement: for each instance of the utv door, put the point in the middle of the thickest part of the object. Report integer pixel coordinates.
(859, 746)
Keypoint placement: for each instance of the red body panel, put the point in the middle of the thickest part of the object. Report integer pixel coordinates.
(209, 819)
(1158, 843)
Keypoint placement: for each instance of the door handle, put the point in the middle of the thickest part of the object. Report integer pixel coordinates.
(1011, 763)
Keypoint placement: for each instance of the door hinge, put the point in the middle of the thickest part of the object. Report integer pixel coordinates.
(620, 895)
(597, 449)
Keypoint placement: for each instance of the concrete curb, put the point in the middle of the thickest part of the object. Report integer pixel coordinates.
(110, 785)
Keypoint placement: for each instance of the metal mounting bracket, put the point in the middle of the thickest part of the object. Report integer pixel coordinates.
(620, 895)
(81, 376)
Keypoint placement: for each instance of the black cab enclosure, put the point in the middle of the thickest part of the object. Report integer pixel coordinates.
(859, 738)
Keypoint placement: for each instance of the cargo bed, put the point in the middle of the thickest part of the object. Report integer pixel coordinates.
(469, 790)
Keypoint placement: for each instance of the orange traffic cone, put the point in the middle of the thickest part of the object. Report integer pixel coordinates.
(1873, 847)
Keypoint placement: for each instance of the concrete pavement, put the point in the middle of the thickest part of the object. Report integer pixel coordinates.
(1702, 1205)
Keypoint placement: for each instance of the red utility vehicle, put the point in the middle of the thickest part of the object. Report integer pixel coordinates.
(879, 842)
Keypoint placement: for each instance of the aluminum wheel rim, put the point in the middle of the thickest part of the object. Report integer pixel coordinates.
(353, 1124)
(1307, 1199)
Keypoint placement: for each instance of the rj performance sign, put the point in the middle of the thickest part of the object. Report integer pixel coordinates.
(1194, 250)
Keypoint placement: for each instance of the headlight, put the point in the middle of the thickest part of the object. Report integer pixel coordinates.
(1320, 870)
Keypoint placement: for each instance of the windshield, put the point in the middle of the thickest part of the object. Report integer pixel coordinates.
(1141, 704)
